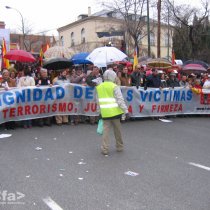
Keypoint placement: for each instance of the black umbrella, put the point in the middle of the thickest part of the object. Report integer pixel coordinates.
(57, 64)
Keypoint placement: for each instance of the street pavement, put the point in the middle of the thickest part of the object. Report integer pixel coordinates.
(165, 166)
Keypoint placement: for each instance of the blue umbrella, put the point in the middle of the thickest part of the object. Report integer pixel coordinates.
(80, 58)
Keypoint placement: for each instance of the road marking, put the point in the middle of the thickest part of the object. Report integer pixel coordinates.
(200, 166)
(52, 204)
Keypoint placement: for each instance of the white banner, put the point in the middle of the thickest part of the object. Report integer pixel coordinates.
(36, 102)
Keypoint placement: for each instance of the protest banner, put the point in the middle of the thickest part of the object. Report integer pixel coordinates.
(37, 102)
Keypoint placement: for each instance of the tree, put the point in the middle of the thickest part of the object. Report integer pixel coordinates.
(132, 12)
(189, 26)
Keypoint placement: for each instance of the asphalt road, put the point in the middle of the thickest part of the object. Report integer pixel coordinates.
(62, 167)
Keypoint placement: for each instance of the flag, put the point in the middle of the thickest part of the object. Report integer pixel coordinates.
(135, 59)
(5, 62)
(43, 49)
(47, 47)
(41, 55)
(173, 57)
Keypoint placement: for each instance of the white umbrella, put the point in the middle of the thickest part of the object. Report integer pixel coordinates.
(102, 56)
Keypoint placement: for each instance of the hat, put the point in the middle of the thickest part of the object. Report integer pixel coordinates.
(172, 74)
(208, 75)
(160, 71)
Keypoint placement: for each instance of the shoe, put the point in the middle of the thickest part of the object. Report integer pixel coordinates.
(58, 124)
(104, 152)
(25, 126)
(119, 149)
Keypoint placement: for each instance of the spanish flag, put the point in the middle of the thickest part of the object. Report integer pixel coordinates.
(173, 57)
(5, 62)
(47, 47)
(135, 59)
(41, 55)
(43, 49)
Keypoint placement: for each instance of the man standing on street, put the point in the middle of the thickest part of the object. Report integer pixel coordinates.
(112, 106)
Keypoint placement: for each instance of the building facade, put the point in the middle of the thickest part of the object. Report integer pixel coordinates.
(99, 29)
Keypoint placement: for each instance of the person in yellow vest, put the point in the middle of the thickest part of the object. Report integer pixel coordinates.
(112, 106)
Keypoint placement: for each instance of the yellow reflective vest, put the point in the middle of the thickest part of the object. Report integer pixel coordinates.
(107, 102)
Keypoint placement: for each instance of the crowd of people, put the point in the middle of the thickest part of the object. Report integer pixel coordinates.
(25, 76)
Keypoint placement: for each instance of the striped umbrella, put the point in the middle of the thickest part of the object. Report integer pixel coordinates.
(159, 63)
(58, 52)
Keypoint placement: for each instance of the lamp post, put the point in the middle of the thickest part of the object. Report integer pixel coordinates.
(158, 29)
(148, 30)
(22, 23)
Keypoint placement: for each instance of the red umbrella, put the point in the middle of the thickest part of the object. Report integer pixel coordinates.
(19, 55)
(193, 68)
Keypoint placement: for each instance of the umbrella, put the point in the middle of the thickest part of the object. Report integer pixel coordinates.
(160, 63)
(193, 68)
(57, 63)
(124, 63)
(58, 51)
(204, 64)
(102, 56)
(80, 58)
(19, 55)
(143, 60)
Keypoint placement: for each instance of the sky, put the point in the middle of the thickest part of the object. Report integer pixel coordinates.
(48, 15)
(42, 15)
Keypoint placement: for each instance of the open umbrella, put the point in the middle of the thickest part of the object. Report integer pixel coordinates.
(143, 60)
(58, 51)
(193, 68)
(160, 63)
(19, 55)
(57, 63)
(204, 64)
(80, 58)
(102, 56)
(124, 63)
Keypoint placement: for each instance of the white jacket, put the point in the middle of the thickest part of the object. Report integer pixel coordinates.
(26, 81)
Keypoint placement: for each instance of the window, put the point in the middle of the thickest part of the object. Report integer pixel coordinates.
(62, 41)
(139, 38)
(167, 40)
(72, 39)
(152, 39)
(83, 35)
